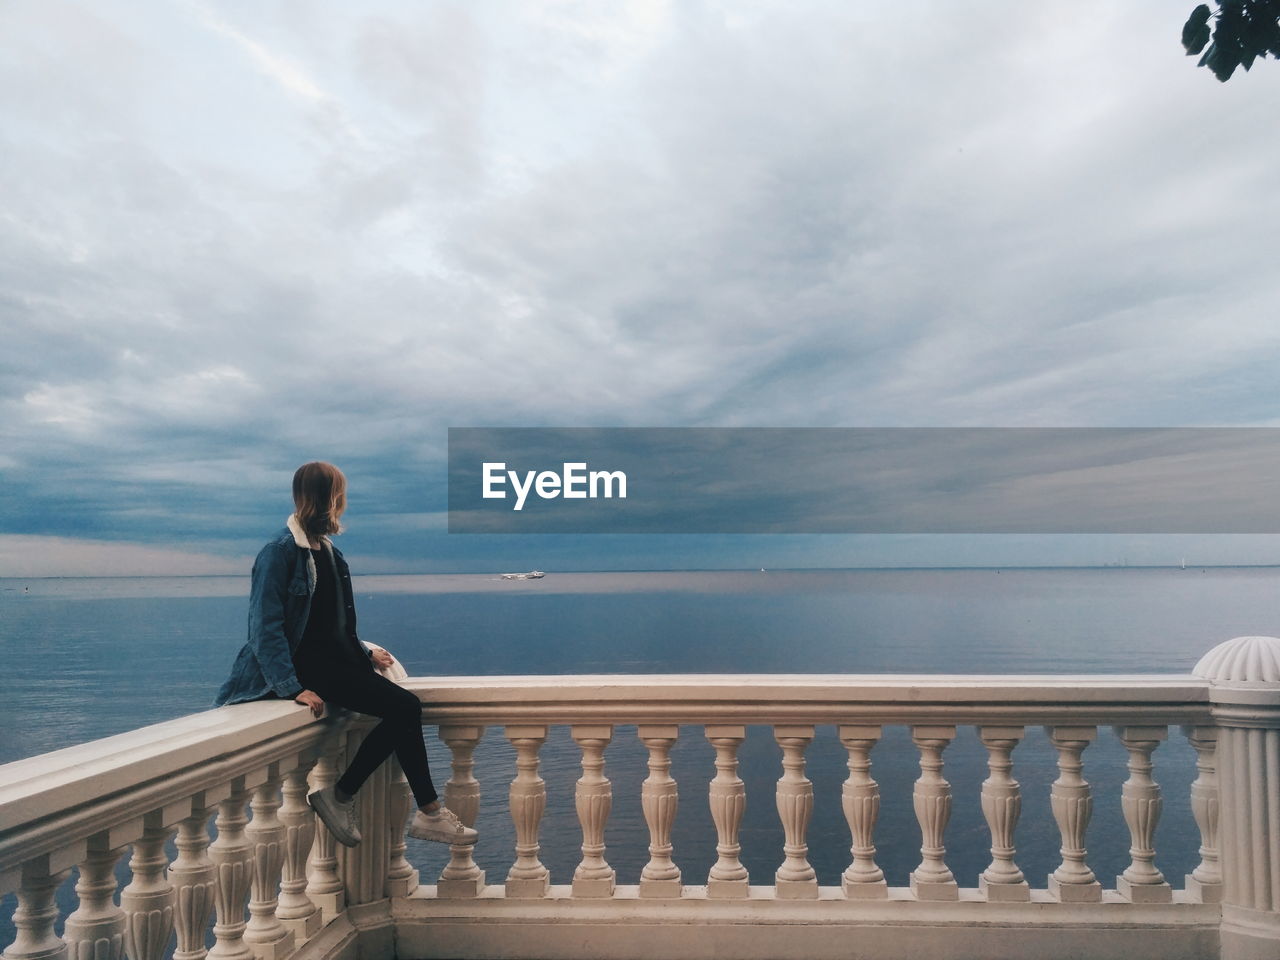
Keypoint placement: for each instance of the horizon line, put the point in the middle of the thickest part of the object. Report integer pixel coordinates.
(1109, 565)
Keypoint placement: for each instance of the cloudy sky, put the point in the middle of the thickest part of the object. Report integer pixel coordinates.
(238, 236)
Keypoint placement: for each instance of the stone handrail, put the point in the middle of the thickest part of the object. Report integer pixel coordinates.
(67, 795)
(813, 698)
(85, 806)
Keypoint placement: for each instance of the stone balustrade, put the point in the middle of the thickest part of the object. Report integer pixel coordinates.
(274, 884)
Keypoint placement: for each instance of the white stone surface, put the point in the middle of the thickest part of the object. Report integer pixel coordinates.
(763, 927)
(1244, 688)
(1242, 660)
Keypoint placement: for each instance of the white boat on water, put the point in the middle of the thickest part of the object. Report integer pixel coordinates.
(531, 575)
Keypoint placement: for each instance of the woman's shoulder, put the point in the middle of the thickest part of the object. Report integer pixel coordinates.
(281, 538)
(278, 545)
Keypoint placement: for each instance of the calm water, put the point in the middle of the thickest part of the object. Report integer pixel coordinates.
(89, 658)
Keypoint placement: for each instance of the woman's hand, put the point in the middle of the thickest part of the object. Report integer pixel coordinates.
(309, 699)
(380, 657)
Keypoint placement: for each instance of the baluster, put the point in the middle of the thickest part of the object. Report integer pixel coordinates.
(728, 798)
(36, 913)
(1072, 804)
(194, 879)
(795, 878)
(148, 900)
(461, 876)
(296, 912)
(402, 878)
(528, 799)
(860, 798)
(232, 857)
(932, 880)
(1002, 805)
(593, 798)
(324, 886)
(363, 868)
(1204, 883)
(659, 798)
(95, 931)
(1140, 798)
(266, 936)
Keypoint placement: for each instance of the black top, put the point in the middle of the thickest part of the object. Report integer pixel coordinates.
(326, 646)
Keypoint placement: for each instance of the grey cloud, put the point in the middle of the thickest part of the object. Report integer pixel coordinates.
(515, 214)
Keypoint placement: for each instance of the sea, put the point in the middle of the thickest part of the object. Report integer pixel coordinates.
(87, 658)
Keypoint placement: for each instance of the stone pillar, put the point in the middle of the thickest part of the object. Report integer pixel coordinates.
(95, 931)
(1002, 805)
(659, 798)
(1204, 883)
(324, 886)
(36, 913)
(1141, 882)
(148, 900)
(1072, 803)
(593, 798)
(268, 938)
(860, 799)
(193, 876)
(231, 854)
(296, 911)
(364, 867)
(462, 877)
(932, 880)
(402, 878)
(1244, 695)
(728, 798)
(795, 879)
(528, 876)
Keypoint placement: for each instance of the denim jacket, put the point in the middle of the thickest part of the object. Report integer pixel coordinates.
(283, 583)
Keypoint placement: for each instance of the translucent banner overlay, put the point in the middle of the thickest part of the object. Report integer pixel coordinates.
(856, 480)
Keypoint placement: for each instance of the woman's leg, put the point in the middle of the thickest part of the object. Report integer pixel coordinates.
(400, 731)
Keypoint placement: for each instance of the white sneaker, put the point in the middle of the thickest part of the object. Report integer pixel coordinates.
(339, 817)
(443, 826)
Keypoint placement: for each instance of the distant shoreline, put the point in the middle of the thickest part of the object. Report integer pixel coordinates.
(868, 569)
(779, 582)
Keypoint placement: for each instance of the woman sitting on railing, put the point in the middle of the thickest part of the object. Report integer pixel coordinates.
(303, 645)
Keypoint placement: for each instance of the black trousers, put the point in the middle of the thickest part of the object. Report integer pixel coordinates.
(360, 689)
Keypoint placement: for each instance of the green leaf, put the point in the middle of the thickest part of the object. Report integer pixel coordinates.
(1236, 34)
(1195, 32)
(1194, 38)
(1222, 61)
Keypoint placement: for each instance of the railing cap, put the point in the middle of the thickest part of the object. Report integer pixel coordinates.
(1243, 670)
(1242, 660)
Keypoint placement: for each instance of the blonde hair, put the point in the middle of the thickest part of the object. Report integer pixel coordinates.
(319, 497)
